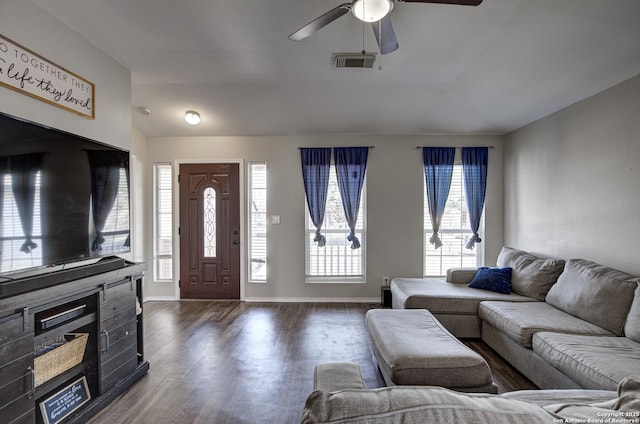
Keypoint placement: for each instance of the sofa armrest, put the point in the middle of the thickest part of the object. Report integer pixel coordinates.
(337, 376)
(555, 396)
(461, 275)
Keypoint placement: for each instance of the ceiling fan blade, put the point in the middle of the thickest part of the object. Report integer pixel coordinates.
(385, 35)
(460, 2)
(320, 22)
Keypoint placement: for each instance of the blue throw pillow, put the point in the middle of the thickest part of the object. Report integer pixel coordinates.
(493, 279)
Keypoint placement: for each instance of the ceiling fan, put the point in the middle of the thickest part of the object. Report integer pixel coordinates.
(374, 11)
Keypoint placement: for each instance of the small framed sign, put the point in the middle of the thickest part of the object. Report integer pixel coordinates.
(29, 73)
(59, 406)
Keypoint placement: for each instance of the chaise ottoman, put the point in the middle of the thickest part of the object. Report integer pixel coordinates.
(413, 348)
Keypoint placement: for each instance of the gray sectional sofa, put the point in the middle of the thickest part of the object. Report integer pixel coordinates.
(340, 396)
(573, 325)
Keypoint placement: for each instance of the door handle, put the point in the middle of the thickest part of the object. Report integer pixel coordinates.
(236, 242)
(31, 376)
(106, 334)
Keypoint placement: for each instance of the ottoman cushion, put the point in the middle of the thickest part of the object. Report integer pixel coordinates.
(413, 348)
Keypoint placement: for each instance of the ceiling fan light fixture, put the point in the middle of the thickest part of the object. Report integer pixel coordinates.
(192, 117)
(371, 10)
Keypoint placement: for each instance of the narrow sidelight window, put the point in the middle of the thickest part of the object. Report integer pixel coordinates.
(258, 222)
(162, 222)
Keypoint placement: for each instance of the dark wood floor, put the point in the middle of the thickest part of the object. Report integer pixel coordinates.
(235, 362)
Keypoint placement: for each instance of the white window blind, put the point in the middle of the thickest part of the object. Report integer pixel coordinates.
(336, 260)
(455, 231)
(116, 227)
(12, 236)
(258, 222)
(163, 222)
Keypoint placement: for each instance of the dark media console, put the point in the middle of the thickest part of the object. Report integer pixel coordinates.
(99, 301)
(47, 279)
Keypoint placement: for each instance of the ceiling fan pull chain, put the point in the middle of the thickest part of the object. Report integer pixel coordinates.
(363, 24)
(380, 47)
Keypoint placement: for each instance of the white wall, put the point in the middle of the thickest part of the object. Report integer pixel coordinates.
(27, 24)
(394, 201)
(138, 165)
(394, 174)
(572, 181)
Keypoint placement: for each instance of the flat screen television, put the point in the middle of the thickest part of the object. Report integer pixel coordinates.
(64, 200)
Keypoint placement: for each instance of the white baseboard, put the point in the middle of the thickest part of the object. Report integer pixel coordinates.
(281, 299)
(159, 299)
(314, 299)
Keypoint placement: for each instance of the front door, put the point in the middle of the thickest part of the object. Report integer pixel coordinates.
(209, 231)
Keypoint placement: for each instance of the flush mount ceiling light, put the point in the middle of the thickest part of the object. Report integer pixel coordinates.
(371, 10)
(144, 110)
(192, 117)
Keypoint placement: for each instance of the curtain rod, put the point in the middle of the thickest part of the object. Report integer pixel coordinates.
(371, 147)
(420, 147)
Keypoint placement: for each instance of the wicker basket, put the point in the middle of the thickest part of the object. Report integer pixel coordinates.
(60, 359)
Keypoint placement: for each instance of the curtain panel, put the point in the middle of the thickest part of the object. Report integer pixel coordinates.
(3, 170)
(316, 163)
(438, 170)
(24, 169)
(474, 167)
(127, 242)
(105, 178)
(351, 164)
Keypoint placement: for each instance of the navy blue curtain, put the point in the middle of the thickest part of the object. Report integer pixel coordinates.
(474, 166)
(105, 178)
(351, 164)
(438, 169)
(3, 170)
(24, 169)
(127, 242)
(316, 163)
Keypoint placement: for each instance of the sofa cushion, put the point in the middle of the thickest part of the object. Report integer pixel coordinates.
(336, 376)
(441, 297)
(520, 321)
(632, 327)
(595, 293)
(493, 279)
(413, 405)
(624, 408)
(532, 275)
(594, 362)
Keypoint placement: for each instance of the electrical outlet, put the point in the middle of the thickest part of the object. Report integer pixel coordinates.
(385, 280)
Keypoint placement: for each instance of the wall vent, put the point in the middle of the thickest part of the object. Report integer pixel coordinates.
(353, 60)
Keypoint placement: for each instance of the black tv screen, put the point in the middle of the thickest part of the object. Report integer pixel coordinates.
(64, 199)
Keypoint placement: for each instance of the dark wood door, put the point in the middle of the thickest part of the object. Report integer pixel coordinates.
(209, 231)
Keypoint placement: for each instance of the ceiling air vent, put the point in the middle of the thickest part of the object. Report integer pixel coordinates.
(354, 60)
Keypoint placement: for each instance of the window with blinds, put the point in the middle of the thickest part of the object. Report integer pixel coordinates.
(12, 236)
(258, 222)
(116, 227)
(336, 260)
(162, 222)
(455, 231)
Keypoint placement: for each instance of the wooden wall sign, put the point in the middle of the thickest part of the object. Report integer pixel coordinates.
(59, 406)
(29, 73)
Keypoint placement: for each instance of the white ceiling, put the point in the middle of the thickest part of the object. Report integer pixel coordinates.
(487, 69)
